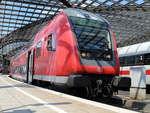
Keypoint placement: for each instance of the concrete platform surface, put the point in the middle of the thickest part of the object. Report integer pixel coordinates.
(18, 97)
(134, 104)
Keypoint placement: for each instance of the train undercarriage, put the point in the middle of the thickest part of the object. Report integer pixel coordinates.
(90, 87)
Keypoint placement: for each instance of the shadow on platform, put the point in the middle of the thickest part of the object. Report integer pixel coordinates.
(21, 111)
(11, 86)
(14, 110)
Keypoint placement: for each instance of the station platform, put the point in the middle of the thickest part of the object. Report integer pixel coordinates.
(126, 101)
(19, 97)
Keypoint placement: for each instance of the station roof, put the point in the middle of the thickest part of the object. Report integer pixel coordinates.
(21, 19)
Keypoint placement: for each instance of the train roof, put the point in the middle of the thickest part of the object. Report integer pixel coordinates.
(84, 14)
(135, 49)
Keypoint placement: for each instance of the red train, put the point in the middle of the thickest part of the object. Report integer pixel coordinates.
(76, 49)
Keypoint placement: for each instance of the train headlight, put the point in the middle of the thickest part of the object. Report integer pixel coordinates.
(83, 54)
(108, 56)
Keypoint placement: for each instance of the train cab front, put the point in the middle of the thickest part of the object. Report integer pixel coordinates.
(96, 47)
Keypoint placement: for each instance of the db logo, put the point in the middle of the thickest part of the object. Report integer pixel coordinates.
(99, 70)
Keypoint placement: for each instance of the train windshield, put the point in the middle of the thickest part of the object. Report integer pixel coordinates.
(93, 37)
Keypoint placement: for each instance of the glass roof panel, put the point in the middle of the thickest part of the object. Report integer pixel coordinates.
(129, 18)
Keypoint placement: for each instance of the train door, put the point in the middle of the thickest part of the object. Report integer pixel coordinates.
(30, 67)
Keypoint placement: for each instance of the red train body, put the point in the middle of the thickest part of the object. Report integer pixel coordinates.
(75, 49)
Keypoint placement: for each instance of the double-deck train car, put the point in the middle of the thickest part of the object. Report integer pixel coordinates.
(76, 49)
(133, 56)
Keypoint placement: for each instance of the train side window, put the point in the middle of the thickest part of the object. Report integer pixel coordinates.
(147, 59)
(38, 49)
(127, 61)
(122, 61)
(139, 60)
(51, 44)
(131, 60)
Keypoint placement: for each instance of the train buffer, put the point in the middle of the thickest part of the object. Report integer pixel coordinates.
(19, 97)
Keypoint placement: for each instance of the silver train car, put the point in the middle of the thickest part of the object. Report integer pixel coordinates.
(132, 56)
